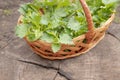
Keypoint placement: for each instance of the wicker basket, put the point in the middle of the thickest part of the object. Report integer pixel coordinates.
(93, 36)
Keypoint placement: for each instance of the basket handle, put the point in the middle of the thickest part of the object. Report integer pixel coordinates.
(88, 16)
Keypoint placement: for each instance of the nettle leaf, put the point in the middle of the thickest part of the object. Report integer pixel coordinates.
(54, 22)
(47, 37)
(66, 39)
(109, 1)
(33, 7)
(44, 19)
(63, 3)
(35, 18)
(34, 35)
(82, 30)
(73, 24)
(23, 9)
(21, 30)
(60, 12)
(31, 37)
(56, 47)
(51, 2)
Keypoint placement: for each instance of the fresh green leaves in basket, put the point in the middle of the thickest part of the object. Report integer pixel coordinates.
(109, 1)
(56, 47)
(59, 21)
(74, 24)
(66, 39)
(21, 30)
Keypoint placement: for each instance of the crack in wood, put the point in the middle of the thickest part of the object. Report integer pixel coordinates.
(57, 71)
(109, 33)
(64, 74)
(9, 41)
(55, 76)
(60, 72)
(43, 66)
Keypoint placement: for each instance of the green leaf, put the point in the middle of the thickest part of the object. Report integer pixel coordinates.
(33, 7)
(66, 39)
(34, 36)
(34, 33)
(35, 18)
(82, 30)
(63, 3)
(73, 24)
(47, 37)
(54, 23)
(23, 9)
(60, 12)
(31, 37)
(109, 1)
(21, 30)
(56, 47)
(44, 19)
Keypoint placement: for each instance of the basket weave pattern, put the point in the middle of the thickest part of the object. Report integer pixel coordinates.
(93, 37)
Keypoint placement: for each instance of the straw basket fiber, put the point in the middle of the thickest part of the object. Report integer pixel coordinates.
(83, 43)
